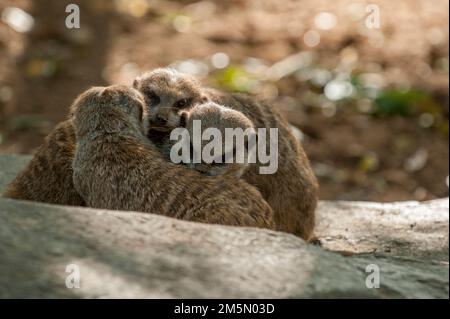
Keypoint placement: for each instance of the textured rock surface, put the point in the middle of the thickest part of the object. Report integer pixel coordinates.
(10, 165)
(122, 254)
(410, 229)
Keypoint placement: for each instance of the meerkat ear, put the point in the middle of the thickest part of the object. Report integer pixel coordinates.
(135, 83)
(107, 91)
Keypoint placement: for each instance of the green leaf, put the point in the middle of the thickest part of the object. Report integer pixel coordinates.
(397, 102)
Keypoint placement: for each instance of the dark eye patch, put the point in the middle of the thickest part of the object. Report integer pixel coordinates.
(182, 103)
(153, 98)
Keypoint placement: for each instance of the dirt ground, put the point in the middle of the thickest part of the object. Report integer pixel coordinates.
(370, 105)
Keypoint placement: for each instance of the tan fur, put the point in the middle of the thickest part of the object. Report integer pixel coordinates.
(116, 167)
(213, 115)
(48, 176)
(167, 92)
(292, 191)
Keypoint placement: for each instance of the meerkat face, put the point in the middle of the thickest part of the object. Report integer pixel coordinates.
(167, 94)
(233, 131)
(111, 108)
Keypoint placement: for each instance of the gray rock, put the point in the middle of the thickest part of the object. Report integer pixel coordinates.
(125, 254)
(10, 165)
(408, 229)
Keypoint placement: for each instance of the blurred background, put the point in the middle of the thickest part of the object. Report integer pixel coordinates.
(370, 105)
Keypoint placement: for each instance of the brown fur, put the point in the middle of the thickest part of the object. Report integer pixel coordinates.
(116, 167)
(167, 92)
(213, 115)
(48, 176)
(291, 191)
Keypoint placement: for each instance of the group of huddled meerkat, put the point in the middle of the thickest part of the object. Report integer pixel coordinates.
(111, 153)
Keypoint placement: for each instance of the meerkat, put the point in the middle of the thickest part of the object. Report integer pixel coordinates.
(48, 176)
(168, 92)
(292, 191)
(199, 121)
(116, 167)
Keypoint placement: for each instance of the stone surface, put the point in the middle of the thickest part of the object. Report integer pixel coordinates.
(409, 229)
(10, 165)
(124, 254)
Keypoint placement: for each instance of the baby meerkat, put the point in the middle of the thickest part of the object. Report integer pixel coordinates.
(208, 125)
(291, 191)
(48, 176)
(117, 167)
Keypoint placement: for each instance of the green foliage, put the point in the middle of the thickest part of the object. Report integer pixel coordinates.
(235, 79)
(397, 102)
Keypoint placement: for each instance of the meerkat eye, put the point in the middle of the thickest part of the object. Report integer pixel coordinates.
(153, 98)
(182, 103)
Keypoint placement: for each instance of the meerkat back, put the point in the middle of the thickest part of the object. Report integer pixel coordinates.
(48, 176)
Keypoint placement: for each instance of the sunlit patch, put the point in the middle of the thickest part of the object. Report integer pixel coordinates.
(255, 66)
(100, 280)
(220, 60)
(356, 10)
(6, 94)
(320, 77)
(372, 80)
(426, 120)
(420, 194)
(311, 38)
(17, 19)
(135, 8)
(192, 67)
(435, 36)
(325, 20)
(338, 90)
(288, 66)
(201, 9)
(182, 24)
(417, 161)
